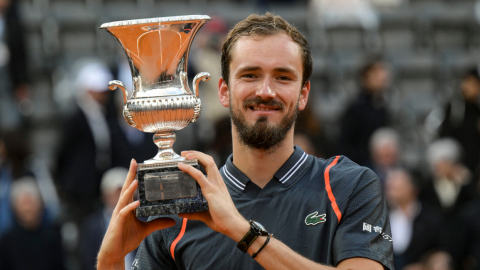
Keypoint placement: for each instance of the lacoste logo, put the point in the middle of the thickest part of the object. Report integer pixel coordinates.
(314, 218)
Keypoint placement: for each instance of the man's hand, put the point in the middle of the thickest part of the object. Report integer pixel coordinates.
(125, 231)
(222, 216)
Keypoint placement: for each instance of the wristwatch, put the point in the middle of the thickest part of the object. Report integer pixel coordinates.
(256, 229)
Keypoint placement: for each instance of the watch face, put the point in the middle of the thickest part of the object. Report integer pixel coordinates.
(259, 227)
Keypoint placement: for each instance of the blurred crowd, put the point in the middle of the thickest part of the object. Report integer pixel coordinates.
(53, 215)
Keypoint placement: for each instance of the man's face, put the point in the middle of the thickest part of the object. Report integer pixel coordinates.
(377, 78)
(470, 87)
(265, 92)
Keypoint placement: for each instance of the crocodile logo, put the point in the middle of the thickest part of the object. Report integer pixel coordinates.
(314, 218)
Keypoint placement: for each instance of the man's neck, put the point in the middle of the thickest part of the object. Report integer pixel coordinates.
(260, 165)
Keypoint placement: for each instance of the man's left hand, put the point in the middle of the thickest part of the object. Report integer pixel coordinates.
(222, 216)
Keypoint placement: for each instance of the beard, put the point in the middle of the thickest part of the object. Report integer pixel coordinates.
(262, 134)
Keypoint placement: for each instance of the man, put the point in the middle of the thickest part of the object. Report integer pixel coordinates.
(415, 226)
(462, 120)
(88, 128)
(321, 212)
(367, 113)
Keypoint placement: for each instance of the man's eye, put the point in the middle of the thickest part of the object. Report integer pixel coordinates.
(249, 76)
(284, 78)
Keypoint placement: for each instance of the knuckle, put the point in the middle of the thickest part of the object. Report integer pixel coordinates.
(210, 161)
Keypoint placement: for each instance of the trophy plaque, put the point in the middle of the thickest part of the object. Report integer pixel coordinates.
(161, 102)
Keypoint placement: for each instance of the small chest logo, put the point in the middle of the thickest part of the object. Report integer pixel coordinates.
(314, 218)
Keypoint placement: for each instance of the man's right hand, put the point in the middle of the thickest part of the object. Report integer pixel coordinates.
(125, 232)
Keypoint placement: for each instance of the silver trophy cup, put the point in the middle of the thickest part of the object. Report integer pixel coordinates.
(161, 103)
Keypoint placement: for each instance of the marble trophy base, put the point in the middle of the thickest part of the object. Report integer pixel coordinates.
(164, 189)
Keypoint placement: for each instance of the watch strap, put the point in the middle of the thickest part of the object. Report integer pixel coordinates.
(256, 229)
(264, 244)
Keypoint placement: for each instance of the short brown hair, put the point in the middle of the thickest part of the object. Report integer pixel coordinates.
(264, 25)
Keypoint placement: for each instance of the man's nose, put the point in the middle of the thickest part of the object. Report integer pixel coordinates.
(266, 92)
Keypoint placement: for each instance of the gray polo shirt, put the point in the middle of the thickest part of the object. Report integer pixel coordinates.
(325, 210)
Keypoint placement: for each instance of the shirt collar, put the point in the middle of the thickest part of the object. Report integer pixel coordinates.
(239, 180)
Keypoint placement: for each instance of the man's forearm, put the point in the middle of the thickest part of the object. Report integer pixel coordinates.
(277, 255)
(103, 264)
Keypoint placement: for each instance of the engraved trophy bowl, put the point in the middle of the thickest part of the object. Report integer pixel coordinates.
(161, 102)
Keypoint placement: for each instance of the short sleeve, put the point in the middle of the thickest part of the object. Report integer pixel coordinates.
(364, 230)
(153, 254)
(154, 251)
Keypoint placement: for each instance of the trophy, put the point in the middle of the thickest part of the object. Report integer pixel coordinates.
(161, 102)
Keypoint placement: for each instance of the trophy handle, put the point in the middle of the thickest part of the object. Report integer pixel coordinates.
(112, 85)
(204, 76)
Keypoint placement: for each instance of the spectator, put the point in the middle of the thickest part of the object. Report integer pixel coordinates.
(385, 149)
(451, 186)
(415, 227)
(313, 130)
(367, 113)
(95, 225)
(471, 216)
(29, 244)
(13, 67)
(449, 191)
(14, 149)
(462, 120)
(85, 152)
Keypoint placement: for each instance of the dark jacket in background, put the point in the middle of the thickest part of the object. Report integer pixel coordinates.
(425, 237)
(39, 249)
(365, 115)
(77, 173)
(462, 123)
(16, 44)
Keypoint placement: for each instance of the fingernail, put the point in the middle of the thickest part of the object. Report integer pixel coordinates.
(133, 182)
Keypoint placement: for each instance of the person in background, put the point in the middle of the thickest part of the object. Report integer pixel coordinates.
(30, 244)
(471, 216)
(14, 149)
(95, 225)
(14, 80)
(415, 227)
(312, 127)
(385, 149)
(449, 191)
(462, 120)
(85, 151)
(367, 113)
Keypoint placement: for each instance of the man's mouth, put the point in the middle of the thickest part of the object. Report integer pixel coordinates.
(263, 105)
(257, 108)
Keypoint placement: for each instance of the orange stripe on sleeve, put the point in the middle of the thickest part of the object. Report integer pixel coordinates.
(329, 189)
(180, 235)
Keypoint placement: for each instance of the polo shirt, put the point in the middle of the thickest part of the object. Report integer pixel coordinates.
(325, 210)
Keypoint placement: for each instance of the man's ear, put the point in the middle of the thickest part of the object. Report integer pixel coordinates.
(303, 98)
(223, 93)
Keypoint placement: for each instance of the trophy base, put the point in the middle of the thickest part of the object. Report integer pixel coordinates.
(163, 189)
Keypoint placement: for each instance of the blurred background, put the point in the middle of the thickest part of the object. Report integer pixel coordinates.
(395, 87)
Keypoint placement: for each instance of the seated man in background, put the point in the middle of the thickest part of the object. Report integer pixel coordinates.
(415, 226)
(30, 244)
